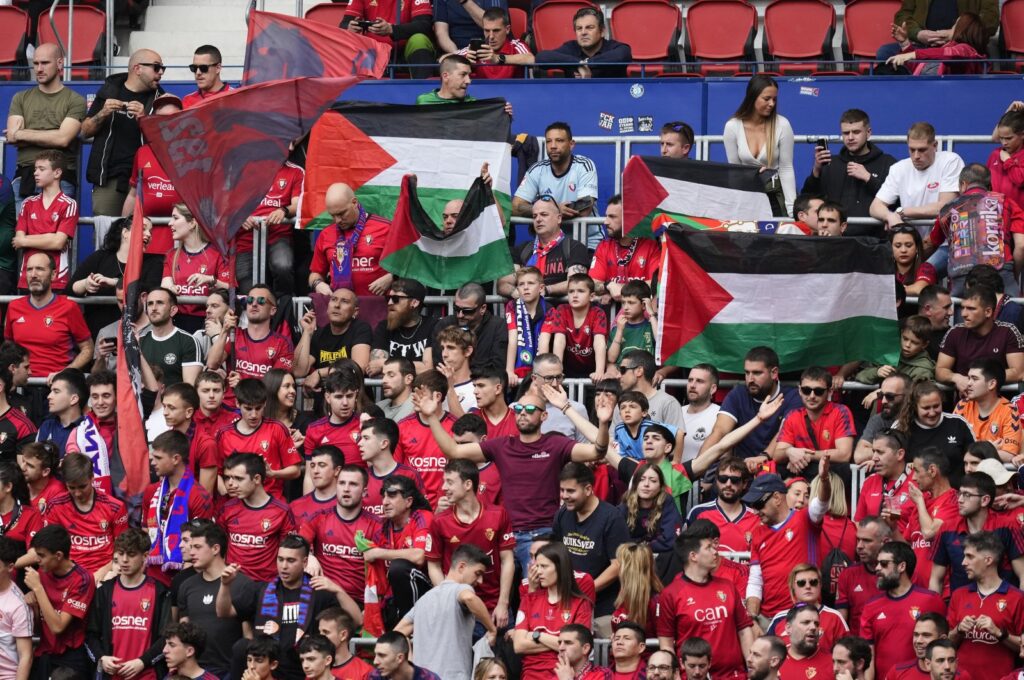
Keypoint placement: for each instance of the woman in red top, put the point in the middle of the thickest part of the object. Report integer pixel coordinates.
(19, 520)
(639, 587)
(968, 42)
(912, 272)
(193, 268)
(544, 612)
(1007, 162)
(837, 531)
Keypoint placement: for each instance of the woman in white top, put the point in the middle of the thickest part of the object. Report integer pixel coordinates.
(757, 135)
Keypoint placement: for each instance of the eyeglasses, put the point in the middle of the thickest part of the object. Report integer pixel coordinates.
(816, 391)
(727, 479)
(884, 563)
(890, 396)
(549, 378)
(202, 68)
(903, 229)
(391, 493)
(804, 582)
(261, 300)
(466, 311)
(155, 65)
(395, 299)
(968, 494)
(660, 668)
(529, 408)
(624, 367)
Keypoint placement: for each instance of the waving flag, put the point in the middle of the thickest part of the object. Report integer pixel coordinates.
(221, 156)
(475, 250)
(700, 193)
(815, 300)
(280, 46)
(371, 147)
(131, 432)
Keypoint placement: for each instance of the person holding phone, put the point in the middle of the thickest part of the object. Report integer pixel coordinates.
(497, 54)
(409, 36)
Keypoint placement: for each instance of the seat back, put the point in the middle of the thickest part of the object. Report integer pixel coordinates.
(868, 25)
(90, 32)
(1013, 26)
(720, 29)
(329, 13)
(517, 18)
(14, 26)
(798, 29)
(552, 22)
(650, 27)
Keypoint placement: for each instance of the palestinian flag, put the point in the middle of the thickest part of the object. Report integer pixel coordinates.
(371, 147)
(815, 300)
(782, 226)
(475, 250)
(688, 190)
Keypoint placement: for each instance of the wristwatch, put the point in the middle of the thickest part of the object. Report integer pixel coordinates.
(536, 637)
(501, 59)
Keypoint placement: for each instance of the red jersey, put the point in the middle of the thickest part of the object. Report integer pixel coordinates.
(41, 218)
(713, 611)
(909, 670)
(417, 448)
(334, 544)
(794, 542)
(489, 71)
(155, 513)
(737, 573)
(69, 594)
(980, 653)
(50, 333)
(253, 358)
(386, 10)
(198, 97)
(353, 669)
(944, 508)
(876, 488)
(21, 523)
(506, 427)
(414, 534)
(180, 264)
(890, 623)
(615, 262)
(307, 507)
(53, 488)
(92, 531)
(489, 488)
(133, 618)
(203, 451)
(286, 186)
(491, 531)
(536, 613)
(833, 627)
(345, 436)
(373, 497)
(737, 533)
(580, 359)
(270, 440)
(584, 581)
(158, 195)
(211, 425)
(365, 256)
(818, 667)
(857, 586)
(254, 535)
(834, 423)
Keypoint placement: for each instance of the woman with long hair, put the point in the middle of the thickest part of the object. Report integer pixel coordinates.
(639, 586)
(19, 519)
(194, 267)
(757, 135)
(968, 42)
(912, 271)
(490, 669)
(282, 395)
(555, 604)
(837, 531)
(925, 424)
(1007, 162)
(650, 513)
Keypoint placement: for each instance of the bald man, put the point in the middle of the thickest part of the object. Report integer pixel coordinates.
(347, 253)
(113, 123)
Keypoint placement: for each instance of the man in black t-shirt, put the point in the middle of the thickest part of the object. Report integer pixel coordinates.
(344, 337)
(552, 251)
(405, 332)
(979, 336)
(592, 530)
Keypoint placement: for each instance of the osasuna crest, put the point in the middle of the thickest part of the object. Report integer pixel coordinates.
(103, 524)
(915, 612)
(789, 534)
(3, 437)
(202, 269)
(271, 352)
(281, 183)
(369, 239)
(355, 436)
(566, 615)
(721, 595)
(54, 216)
(48, 320)
(1001, 605)
(489, 533)
(264, 444)
(144, 603)
(266, 524)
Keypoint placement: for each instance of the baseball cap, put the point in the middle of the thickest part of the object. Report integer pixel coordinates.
(167, 98)
(659, 429)
(994, 469)
(762, 486)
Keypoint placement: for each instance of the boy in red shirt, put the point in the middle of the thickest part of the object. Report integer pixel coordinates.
(416, 445)
(578, 331)
(212, 415)
(338, 626)
(341, 427)
(49, 220)
(38, 461)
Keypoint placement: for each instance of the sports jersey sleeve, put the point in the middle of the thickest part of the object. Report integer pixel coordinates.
(190, 353)
(288, 525)
(76, 323)
(599, 263)
(68, 224)
(289, 454)
(587, 186)
(788, 431)
(600, 323)
(319, 264)
(120, 524)
(553, 321)
(77, 598)
(665, 623)
(528, 187)
(1010, 431)
(940, 555)
(844, 424)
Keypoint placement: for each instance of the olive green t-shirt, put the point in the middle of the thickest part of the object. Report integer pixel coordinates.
(43, 111)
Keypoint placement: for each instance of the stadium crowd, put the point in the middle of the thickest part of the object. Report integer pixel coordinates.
(475, 521)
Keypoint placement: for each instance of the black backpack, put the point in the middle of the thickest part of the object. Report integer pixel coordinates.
(834, 563)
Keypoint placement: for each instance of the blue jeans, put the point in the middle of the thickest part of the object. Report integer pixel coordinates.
(68, 188)
(940, 260)
(523, 541)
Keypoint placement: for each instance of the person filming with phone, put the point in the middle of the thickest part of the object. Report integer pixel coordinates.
(498, 54)
(410, 37)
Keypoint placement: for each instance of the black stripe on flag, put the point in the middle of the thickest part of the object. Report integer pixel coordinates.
(474, 121)
(723, 175)
(731, 252)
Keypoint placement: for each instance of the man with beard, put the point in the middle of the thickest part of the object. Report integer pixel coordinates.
(858, 583)
(258, 347)
(806, 659)
(761, 374)
(929, 627)
(935, 304)
(942, 661)
(991, 416)
(700, 413)
(735, 520)
(851, 658)
(893, 392)
(663, 665)
(619, 258)
(396, 388)
(765, 658)
(888, 619)
(405, 332)
(344, 337)
(820, 428)
(167, 346)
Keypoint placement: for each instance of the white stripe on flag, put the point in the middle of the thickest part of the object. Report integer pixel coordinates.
(704, 200)
(483, 231)
(804, 298)
(444, 164)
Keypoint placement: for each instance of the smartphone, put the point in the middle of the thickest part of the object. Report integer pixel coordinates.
(475, 44)
(364, 24)
(582, 204)
(822, 143)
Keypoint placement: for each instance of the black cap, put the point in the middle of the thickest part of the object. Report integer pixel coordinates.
(762, 486)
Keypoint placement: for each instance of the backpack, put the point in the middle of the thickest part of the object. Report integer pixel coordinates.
(834, 563)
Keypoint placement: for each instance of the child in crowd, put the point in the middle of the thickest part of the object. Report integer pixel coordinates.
(577, 331)
(633, 328)
(915, 332)
(629, 434)
(524, 317)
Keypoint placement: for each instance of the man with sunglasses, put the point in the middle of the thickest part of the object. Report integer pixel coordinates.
(892, 393)
(821, 427)
(113, 123)
(805, 589)
(257, 348)
(734, 519)
(206, 67)
(405, 332)
(470, 311)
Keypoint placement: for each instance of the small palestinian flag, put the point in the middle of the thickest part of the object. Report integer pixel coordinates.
(685, 189)
(475, 250)
(815, 300)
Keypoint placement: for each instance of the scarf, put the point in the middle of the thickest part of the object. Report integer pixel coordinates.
(272, 608)
(90, 441)
(375, 589)
(15, 516)
(526, 345)
(341, 267)
(170, 514)
(540, 252)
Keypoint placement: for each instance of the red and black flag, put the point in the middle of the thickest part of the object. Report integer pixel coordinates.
(222, 155)
(280, 46)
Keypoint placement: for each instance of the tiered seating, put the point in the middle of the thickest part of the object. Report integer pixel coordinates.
(797, 30)
(88, 42)
(867, 24)
(14, 27)
(721, 31)
(1013, 30)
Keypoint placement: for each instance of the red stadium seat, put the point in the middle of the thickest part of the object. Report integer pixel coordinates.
(14, 26)
(552, 22)
(517, 17)
(798, 30)
(868, 27)
(722, 31)
(88, 44)
(327, 13)
(651, 28)
(1013, 29)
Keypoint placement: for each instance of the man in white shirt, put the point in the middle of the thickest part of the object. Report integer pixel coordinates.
(700, 413)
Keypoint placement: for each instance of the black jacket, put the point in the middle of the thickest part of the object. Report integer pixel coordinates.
(99, 629)
(119, 136)
(612, 51)
(852, 194)
(491, 346)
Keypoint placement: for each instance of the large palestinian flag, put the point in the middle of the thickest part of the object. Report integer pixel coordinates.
(702, 194)
(475, 250)
(814, 300)
(371, 147)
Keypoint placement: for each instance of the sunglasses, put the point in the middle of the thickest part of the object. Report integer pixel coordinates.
(889, 396)
(804, 582)
(201, 68)
(261, 300)
(726, 479)
(883, 563)
(760, 502)
(466, 311)
(155, 65)
(529, 408)
(904, 229)
(816, 391)
(395, 299)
